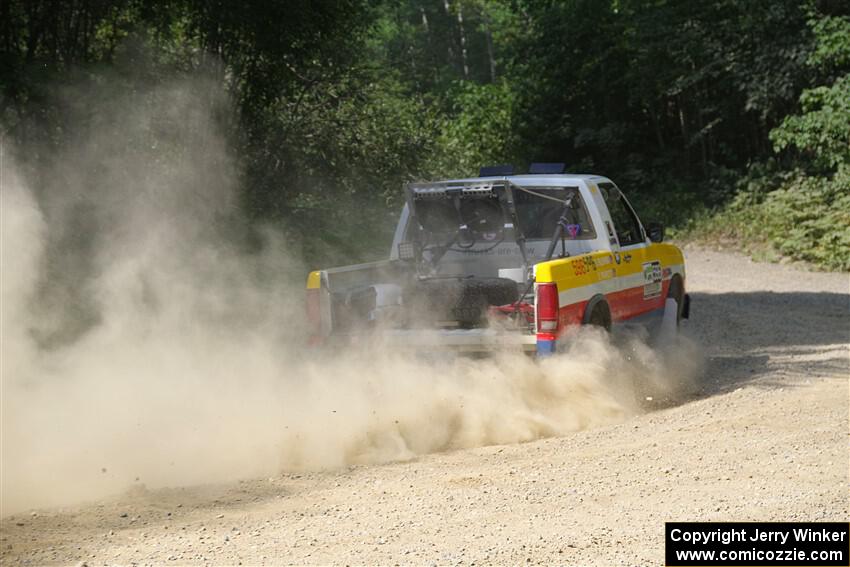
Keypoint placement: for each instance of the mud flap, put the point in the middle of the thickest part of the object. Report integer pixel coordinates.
(546, 347)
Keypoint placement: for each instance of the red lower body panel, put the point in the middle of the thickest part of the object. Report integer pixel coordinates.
(625, 305)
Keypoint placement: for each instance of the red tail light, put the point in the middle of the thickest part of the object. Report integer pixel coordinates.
(314, 313)
(547, 308)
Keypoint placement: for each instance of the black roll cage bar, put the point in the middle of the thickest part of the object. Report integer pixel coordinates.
(457, 191)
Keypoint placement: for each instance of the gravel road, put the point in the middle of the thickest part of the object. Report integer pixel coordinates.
(766, 438)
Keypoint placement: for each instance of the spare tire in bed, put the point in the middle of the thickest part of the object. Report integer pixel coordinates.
(463, 300)
(497, 291)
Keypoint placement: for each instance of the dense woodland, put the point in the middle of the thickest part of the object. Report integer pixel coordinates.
(724, 118)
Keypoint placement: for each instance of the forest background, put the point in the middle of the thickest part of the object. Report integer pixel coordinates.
(727, 120)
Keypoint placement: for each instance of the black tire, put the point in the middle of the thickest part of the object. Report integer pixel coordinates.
(496, 291)
(462, 300)
(600, 316)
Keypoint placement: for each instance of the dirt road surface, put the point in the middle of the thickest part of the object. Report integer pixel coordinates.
(766, 438)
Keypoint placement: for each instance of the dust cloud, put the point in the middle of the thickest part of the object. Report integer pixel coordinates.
(147, 340)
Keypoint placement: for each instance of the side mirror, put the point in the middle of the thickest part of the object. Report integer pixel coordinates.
(655, 230)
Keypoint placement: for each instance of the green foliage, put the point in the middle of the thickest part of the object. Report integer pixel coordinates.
(809, 219)
(832, 49)
(478, 130)
(336, 103)
(791, 214)
(823, 130)
(803, 213)
(641, 90)
(362, 145)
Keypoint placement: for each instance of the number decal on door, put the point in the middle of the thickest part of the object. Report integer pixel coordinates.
(652, 280)
(583, 265)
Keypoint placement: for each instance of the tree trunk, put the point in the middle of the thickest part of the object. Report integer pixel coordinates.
(427, 28)
(653, 116)
(683, 125)
(490, 51)
(701, 134)
(35, 26)
(462, 40)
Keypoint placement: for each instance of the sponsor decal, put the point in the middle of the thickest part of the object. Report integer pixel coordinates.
(604, 260)
(652, 280)
(741, 544)
(573, 230)
(583, 265)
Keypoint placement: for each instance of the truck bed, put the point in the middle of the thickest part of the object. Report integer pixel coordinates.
(460, 340)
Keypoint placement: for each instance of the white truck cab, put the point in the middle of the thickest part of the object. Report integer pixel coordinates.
(503, 261)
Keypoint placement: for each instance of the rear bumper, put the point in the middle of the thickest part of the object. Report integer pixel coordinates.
(459, 340)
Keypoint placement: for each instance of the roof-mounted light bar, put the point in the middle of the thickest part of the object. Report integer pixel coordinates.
(496, 170)
(445, 189)
(547, 168)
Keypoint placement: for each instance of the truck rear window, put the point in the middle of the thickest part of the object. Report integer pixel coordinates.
(538, 216)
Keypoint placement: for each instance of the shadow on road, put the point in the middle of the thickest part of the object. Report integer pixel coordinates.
(771, 339)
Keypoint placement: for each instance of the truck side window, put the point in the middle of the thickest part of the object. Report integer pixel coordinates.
(625, 221)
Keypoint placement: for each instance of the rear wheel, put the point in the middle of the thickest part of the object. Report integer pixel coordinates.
(600, 316)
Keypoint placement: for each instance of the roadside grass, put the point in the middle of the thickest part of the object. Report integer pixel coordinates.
(799, 218)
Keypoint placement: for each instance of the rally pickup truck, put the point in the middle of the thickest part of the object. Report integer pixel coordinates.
(502, 262)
